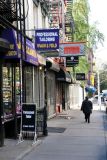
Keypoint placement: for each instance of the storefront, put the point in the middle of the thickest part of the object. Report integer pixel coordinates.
(4, 46)
(52, 68)
(17, 72)
(40, 82)
(63, 80)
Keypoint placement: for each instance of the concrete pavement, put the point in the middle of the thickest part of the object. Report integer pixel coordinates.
(69, 137)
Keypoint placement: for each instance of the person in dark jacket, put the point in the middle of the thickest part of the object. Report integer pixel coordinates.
(87, 107)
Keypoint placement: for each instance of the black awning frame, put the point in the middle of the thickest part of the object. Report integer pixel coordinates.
(63, 76)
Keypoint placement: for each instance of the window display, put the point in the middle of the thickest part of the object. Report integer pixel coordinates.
(11, 90)
(7, 91)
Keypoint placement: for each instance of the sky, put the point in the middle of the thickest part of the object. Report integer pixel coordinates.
(98, 13)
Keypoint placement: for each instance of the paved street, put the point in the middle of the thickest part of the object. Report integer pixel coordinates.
(69, 138)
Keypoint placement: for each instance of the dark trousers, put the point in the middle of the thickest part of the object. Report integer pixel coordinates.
(87, 117)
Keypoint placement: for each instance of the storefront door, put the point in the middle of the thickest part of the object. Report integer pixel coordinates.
(10, 99)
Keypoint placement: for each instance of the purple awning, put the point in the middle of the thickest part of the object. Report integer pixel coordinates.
(15, 47)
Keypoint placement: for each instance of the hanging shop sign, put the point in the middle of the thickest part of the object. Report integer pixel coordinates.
(80, 76)
(92, 79)
(15, 47)
(72, 49)
(47, 39)
(72, 61)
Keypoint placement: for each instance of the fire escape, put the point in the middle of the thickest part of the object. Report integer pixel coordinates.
(69, 21)
(56, 16)
(12, 15)
(60, 16)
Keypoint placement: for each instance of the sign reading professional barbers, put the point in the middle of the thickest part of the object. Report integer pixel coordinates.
(47, 39)
(28, 117)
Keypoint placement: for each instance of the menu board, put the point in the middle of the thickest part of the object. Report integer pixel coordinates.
(28, 117)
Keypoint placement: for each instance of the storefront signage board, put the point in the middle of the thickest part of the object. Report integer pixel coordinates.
(15, 48)
(9, 35)
(30, 55)
(47, 39)
(72, 49)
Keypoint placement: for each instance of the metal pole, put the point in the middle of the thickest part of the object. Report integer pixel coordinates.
(1, 105)
(99, 97)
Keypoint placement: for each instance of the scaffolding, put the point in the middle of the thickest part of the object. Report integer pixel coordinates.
(12, 15)
(56, 15)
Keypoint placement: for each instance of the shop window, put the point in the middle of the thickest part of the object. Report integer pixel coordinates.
(7, 91)
(11, 90)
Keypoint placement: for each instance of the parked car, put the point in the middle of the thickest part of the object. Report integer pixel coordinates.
(95, 99)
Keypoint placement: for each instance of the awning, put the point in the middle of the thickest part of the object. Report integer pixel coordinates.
(63, 76)
(4, 45)
(41, 60)
(15, 52)
(52, 65)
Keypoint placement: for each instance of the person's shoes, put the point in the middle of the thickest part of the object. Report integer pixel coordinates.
(85, 120)
(88, 121)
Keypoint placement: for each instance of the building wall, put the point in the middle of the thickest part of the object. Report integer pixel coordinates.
(76, 96)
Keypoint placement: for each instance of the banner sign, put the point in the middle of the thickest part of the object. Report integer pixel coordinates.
(29, 117)
(92, 79)
(71, 61)
(47, 39)
(80, 76)
(72, 49)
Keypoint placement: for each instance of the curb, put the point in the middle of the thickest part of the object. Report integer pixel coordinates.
(21, 156)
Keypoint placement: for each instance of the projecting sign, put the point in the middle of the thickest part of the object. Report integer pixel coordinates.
(47, 39)
(80, 76)
(72, 49)
(71, 61)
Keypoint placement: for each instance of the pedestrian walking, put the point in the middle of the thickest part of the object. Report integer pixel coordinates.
(87, 107)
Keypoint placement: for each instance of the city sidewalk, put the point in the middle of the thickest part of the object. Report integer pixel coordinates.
(69, 137)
